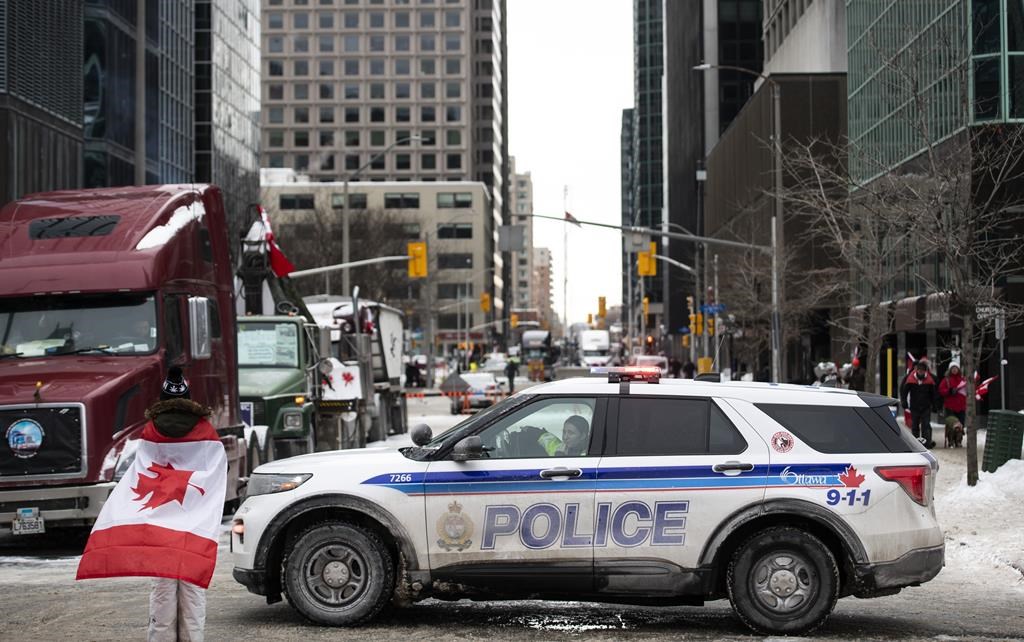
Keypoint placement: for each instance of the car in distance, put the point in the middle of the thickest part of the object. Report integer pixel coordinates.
(629, 489)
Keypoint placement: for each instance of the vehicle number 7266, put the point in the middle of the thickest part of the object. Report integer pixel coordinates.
(400, 477)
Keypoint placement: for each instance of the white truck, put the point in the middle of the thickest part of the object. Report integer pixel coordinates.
(595, 348)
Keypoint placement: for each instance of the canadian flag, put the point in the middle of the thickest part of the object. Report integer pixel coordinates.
(163, 517)
(261, 232)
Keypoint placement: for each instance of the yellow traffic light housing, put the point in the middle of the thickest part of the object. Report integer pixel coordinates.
(513, 320)
(590, 318)
(700, 323)
(693, 324)
(647, 305)
(601, 309)
(711, 325)
(646, 263)
(485, 302)
(417, 251)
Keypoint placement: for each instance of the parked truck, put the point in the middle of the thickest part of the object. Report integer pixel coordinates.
(539, 355)
(101, 291)
(594, 348)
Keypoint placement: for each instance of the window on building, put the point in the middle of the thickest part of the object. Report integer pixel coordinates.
(351, 91)
(351, 162)
(452, 90)
(428, 42)
(402, 43)
(275, 138)
(380, 162)
(454, 230)
(453, 113)
(300, 20)
(295, 202)
(275, 92)
(452, 42)
(300, 114)
(402, 115)
(350, 43)
(326, 67)
(275, 44)
(402, 137)
(356, 201)
(352, 138)
(428, 19)
(403, 66)
(396, 201)
(327, 162)
(428, 137)
(326, 91)
(325, 44)
(403, 90)
(452, 66)
(376, 66)
(351, 67)
(301, 163)
(376, 20)
(276, 160)
(275, 115)
(452, 18)
(301, 137)
(326, 138)
(453, 137)
(403, 161)
(376, 114)
(351, 19)
(454, 290)
(326, 20)
(327, 115)
(451, 261)
(275, 20)
(377, 90)
(453, 161)
(428, 114)
(300, 91)
(300, 44)
(377, 43)
(428, 66)
(459, 200)
(401, 19)
(378, 138)
(275, 67)
(300, 67)
(411, 230)
(428, 161)
(451, 321)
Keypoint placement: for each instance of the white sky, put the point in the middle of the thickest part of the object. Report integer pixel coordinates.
(570, 67)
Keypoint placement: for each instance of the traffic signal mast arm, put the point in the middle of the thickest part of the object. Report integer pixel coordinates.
(345, 266)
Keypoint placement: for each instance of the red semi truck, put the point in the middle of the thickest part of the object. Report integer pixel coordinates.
(100, 292)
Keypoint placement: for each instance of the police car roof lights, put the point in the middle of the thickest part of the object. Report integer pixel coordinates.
(629, 373)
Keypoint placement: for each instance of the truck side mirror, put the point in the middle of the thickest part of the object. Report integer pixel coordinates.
(199, 327)
(468, 448)
(421, 434)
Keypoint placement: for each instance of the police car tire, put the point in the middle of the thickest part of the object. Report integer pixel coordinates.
(811, 552)
(374, 563)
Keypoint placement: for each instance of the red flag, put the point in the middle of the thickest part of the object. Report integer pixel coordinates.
(163, 517)
(569, 218)
(279, 263)
(982, 388)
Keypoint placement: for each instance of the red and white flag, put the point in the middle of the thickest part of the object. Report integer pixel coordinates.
(163, 517)
(260, 233)
(569, 218)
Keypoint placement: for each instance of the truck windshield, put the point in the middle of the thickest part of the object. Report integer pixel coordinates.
(268, 345)
(78, 324)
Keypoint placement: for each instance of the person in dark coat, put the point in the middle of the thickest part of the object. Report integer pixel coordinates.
(689, 370)
(512, 371)
(675, 366)
(919, 394)
(856, 379)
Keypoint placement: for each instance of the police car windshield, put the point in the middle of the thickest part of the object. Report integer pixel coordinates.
(449, 437)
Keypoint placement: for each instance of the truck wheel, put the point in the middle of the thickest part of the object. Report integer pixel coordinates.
(783, 581)
(339, 574)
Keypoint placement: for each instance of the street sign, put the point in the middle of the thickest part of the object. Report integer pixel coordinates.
(636, 242)
(1000, 327)
(986, 312)
(511, 238)
(714, 308)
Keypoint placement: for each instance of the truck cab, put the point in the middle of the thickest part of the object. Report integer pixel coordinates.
(101, 291)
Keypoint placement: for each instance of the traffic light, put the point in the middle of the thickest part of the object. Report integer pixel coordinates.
(646, 264)
(686, 341)
(700, 323)
(601, 310)
(647, 305)
(693, 324)
(513, 320)
(711, 325)
(485, 302)
(417, 251)
(590, 318)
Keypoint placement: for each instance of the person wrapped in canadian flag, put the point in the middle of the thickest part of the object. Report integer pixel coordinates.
(162, 520)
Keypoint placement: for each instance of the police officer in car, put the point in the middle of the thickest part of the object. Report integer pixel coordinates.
(574, 442)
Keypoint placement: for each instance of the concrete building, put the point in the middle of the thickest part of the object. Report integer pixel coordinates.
(40, 97)
(342, 83)
(139, 103)
(740, 172)
(452, 217)
(630, 280)
(521, 195)
(227, 102)
(542, 288)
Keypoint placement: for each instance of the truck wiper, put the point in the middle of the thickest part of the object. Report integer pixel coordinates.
(4, 355)
(103, 349)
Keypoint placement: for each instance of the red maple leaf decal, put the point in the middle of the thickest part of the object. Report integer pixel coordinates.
(851, 478)
(348, 378)
(169, 485)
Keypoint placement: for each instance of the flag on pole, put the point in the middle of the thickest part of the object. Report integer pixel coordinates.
(569, 218)
(163, 517)
(981, 391)
(262, 235)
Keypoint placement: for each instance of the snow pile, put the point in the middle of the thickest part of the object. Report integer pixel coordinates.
(984, 524)
(181, 217)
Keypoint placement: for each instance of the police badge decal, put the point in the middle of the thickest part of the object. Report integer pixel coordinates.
(454, 529)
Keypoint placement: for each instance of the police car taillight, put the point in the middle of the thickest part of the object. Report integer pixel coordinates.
(913, 479)
(629, 373)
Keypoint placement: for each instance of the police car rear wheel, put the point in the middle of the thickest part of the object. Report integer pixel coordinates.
(783, 580)
(339, 574)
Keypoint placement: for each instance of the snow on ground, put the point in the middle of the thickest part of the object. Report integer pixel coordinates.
(984, 524)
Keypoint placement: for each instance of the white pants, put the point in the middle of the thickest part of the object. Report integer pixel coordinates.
(177, 611)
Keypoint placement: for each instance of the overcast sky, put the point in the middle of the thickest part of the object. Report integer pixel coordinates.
(570, 67)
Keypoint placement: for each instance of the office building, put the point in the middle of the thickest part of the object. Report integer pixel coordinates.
(521, 196)
(451, 217)
(227, 102)
(40, 96)
(630, 280)
(347, 86)
(542, 289)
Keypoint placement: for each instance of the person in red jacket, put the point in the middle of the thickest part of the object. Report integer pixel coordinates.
(953, 390)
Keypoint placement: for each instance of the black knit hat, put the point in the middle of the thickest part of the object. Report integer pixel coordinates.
(175, 386)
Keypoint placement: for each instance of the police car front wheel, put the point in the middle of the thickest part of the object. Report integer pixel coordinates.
(339, 574)
(783, 580)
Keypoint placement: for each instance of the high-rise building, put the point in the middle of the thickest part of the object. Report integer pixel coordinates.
(346, 86)
(521, 196)
(40, 96)
(138, 94)
(626, 182)
(227, 102)
(542, 287)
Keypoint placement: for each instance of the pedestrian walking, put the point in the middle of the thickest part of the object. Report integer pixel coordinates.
(675, 367)
(919, 393)
(512, 371)
(162, 520)
(856, 380)
(689, 370)
(953, 390)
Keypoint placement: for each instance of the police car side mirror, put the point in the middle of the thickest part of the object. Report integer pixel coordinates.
(468, 448)
(421, 434)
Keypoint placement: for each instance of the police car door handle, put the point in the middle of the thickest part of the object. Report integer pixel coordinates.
(551, 473)
(734, 467)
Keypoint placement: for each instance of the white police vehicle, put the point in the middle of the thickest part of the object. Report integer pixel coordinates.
(781, 498)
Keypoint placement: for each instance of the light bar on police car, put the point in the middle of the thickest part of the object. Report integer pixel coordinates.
(650, 374)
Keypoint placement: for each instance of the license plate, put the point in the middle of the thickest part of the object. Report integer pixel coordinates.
(28, 522)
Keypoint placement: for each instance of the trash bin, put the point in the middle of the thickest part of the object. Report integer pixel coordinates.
(1003, 439)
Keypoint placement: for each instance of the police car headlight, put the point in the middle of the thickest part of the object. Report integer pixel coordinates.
(293, 421)
(126, 458)
(265, 484)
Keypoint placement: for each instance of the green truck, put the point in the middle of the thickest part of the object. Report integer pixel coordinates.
(276, 360)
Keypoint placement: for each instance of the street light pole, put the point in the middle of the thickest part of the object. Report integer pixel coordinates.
(778, 239)
(346, 281)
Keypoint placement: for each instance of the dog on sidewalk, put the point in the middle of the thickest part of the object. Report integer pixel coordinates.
(954, 432)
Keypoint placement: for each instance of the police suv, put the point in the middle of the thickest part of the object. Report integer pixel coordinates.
(621, 489)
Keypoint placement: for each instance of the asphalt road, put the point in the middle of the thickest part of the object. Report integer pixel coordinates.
(41, 601)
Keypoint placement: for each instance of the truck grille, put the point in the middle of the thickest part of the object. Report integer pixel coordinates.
(42, 441)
